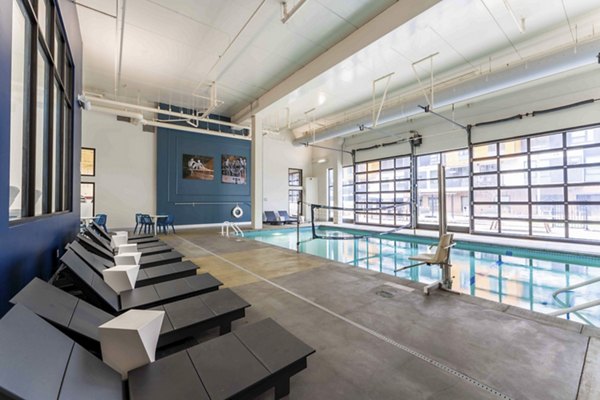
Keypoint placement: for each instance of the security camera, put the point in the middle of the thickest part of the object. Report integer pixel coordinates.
(84, 102)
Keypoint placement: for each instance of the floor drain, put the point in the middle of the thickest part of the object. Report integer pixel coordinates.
(384, 294)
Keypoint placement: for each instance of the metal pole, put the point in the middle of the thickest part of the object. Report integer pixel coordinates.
(298, 227)
(442, 199)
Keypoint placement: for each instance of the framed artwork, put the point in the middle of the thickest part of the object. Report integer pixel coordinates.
(198, 167)
(88, 161)
(88, 194)
(233, 169)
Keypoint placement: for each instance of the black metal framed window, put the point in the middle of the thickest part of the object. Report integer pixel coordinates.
(379, 186)
(348, 193)
(294, 177)
(42, 113)
(543, 186)
(294, 196)
(457, 189)
(330, 193)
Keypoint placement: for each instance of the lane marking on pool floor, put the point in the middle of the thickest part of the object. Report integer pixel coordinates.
(370, 331)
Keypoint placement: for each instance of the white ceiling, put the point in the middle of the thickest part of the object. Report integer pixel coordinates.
(173, 49)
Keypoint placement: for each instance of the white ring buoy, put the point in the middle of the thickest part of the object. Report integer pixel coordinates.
(237, 212)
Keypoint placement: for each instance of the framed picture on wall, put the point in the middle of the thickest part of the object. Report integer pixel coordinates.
(88, 161)
(198, 167)
(233, 169)
(88, 194)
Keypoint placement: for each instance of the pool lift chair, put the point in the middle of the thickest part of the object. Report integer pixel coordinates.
(441, 257)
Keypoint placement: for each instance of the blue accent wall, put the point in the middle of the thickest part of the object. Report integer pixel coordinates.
(193, 201)
(28, 249)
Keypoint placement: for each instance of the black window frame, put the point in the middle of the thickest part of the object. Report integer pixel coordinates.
(61, 75)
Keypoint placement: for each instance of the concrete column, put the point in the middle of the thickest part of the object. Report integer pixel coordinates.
(256, 157)
(337, 187)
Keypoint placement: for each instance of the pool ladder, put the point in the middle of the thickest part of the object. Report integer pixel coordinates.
(225, 226)
(575, 309)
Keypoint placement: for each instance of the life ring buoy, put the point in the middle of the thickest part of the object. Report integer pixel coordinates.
(237, 212)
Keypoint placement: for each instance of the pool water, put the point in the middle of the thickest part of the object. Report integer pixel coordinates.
(517, 276)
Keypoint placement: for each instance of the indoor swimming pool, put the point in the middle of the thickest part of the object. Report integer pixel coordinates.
(517, 276)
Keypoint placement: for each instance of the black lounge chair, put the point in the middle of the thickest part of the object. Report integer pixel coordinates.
(144, 248)
(140, 238)
(146, 261)
(40, 362)
(285, 217)
(183, 319)
(271, 218)
(146, 276)
(100, 294)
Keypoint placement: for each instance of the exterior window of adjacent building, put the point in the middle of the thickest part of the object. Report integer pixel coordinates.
(42, 118)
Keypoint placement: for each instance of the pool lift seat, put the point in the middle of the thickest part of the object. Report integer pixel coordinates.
(441, 257)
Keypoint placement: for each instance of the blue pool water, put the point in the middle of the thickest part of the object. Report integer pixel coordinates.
(517, 276)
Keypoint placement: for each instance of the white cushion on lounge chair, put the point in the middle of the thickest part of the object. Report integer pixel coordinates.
(128, 248)
(129, 340)
(128, 259)
(121, 277)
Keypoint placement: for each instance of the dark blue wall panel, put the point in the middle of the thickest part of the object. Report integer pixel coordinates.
(196, 201)
(29, 249)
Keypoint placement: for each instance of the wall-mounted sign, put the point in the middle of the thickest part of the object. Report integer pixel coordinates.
(233, 169)
(198, 167)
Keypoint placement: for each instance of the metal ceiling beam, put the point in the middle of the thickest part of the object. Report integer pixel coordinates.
(394, 16)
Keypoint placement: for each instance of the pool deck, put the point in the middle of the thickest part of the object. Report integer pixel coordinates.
(378, 337)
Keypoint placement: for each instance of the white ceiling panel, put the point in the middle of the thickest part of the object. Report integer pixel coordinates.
(174, 49)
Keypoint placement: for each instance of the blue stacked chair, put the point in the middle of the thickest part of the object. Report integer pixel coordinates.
(138, 222)
(165, 222)
(100, 219)
(147, 224)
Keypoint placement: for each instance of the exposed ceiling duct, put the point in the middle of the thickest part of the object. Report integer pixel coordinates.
(558, 62)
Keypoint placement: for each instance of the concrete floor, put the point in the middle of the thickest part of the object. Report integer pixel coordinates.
(378, 337)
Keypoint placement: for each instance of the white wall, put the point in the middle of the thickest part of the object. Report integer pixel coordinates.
(125, 168)
(278, 155)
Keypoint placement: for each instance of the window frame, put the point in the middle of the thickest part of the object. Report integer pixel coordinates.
(57, 151)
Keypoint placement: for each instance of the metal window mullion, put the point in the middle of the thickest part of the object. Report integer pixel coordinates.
(529, 186)
(29, 165)
(498, 191)
(565, 185)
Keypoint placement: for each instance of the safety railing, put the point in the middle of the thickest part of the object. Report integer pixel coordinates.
(579, 307)
(227, 225)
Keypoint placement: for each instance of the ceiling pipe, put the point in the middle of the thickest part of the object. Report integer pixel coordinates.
(138, 118)
(196, 130)
(95, 101)
(287, 14)
(561, 61)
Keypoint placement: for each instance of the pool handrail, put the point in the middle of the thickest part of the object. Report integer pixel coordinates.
(574, 309)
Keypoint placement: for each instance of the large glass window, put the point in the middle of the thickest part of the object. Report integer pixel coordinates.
(382, 192)
(294, 177)
(457, 187)
(41, 119)
(348, 193)
(330, 193)
(545, 186)
(21, 38)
